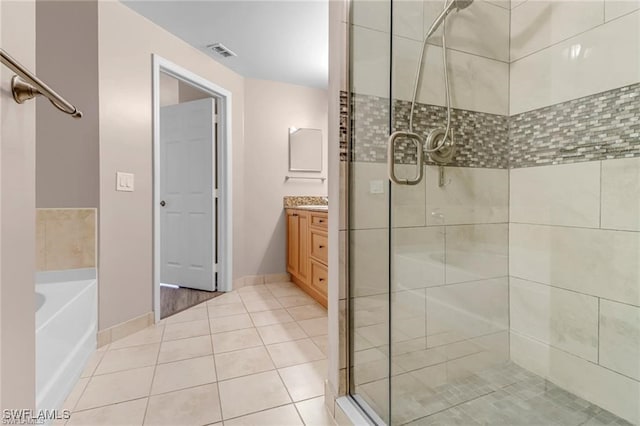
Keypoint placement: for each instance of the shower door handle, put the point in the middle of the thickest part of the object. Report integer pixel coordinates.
(391, 165)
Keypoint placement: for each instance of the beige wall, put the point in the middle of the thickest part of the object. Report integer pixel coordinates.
(67, 149)
(270, 109)
(126, 44)
(17, 215)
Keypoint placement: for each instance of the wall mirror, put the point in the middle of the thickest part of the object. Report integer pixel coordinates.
(305, 150)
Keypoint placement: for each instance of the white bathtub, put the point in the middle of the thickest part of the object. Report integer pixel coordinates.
(66, 326)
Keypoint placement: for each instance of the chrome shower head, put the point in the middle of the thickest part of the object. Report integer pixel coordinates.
(462, 4)
(456, 5)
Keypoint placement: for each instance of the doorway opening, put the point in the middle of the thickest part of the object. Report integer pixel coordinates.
(192, 243)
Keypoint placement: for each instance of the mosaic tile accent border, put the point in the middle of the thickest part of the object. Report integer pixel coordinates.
(597, 127)
(481, 138)
(369, 128)
(344, 124)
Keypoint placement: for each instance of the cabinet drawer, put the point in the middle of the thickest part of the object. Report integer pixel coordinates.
(319, 277)
(319, 220)
(319, 248)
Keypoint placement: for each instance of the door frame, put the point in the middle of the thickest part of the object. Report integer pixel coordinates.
(224, 149)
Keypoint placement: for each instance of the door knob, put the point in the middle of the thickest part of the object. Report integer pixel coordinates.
(163, 203)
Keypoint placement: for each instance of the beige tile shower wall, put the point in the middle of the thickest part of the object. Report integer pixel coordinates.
(449, 315)
(65, 239)
(574, 256)
(478, 50)
(563, 50)
(574, 245)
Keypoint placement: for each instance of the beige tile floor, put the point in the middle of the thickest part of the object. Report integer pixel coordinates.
(255, 356)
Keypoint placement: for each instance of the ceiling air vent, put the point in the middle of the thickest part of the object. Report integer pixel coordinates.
(221, 50)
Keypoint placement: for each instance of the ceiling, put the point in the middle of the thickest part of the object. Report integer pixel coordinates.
(283, 41)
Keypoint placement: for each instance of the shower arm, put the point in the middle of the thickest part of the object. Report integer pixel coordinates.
(436, 24)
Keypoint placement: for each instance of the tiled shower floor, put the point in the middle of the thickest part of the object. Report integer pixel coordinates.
(502, 395)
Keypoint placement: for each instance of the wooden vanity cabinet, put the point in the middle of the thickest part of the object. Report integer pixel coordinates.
(307, 251)
(297, 246)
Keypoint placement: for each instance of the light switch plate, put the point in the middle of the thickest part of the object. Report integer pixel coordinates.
(376, 187)
(124, 182)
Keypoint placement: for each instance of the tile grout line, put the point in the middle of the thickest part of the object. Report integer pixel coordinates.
(215, 365)
(575, 291)
(90, 378)
(572, 36)
(277, 370)
(111, 404)
(598, 355)
(280, 376)
(593, 228)
(574, 355)
(72, 409)
(146, 408)
(600, 204)
(149, 396)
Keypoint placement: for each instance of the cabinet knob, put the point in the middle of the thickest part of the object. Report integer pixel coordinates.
(320, 246)
(163, 203)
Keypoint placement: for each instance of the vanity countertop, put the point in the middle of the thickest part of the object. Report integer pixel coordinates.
(313, 208)
(306, 202)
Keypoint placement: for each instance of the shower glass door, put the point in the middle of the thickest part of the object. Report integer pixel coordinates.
(501, 284)
(449, 295)
(369, 232)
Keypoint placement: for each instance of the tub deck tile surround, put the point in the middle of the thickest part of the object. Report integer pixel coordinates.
(65, 239)
(249, 367)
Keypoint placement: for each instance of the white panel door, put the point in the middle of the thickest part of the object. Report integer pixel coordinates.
(187, 179)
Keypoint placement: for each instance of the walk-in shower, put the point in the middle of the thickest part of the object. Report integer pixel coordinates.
(506, 290)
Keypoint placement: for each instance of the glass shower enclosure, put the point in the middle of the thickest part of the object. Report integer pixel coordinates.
(494, 277)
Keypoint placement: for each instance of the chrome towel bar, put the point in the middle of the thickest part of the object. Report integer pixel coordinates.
(25, 86)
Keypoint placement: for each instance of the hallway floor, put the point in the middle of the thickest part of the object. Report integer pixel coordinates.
(254, 356)
(176, 299)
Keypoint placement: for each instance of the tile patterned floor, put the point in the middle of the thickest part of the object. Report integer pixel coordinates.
(504, 394)
(529, 400)
(255, 356)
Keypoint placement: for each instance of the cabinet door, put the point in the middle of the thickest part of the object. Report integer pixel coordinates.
(303, 249)
(293, 249)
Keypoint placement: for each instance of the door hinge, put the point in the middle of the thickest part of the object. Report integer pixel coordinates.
(215, 118)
